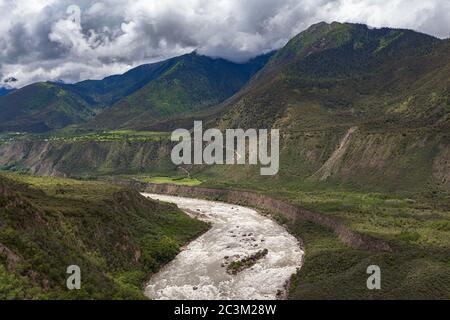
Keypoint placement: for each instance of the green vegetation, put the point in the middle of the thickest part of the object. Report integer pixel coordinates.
(340, 75)
(182, 181)
(418, 267)
(90, 158)
(119, 135)
(390, 181)
(117, 237)
(334, 271)
(70, 136)
(192, 83)
(240, 265)
(41, 107)
(142, 95)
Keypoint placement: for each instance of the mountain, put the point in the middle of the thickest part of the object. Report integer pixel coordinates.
(187, 83)
(106, 92)
(116, 237)
(354, 105)
(42, 107)
(349, 74)
(358, 105)
(46, 106)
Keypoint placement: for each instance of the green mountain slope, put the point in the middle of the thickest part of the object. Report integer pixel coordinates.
(113, 234)
(41, 107)
(104, 93)
(192, 83)
(346, 73)
(153, 91)
(369, 107)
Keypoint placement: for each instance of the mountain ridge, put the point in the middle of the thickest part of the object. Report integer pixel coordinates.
(392, 85)
(342, 53)
(193, 84)
(47, 106)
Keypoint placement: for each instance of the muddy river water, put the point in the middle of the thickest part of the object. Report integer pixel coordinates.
(199, 272)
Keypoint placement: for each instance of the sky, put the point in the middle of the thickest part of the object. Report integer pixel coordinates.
(74, 40)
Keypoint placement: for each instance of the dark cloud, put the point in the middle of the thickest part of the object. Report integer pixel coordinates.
(73, 40)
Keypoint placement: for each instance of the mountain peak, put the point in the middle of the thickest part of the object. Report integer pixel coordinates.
(324, 25)
(323, 36)
(317, 37)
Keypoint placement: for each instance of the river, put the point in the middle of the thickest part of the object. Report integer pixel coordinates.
(199, 272)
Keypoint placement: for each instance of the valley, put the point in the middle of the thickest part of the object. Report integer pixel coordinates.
(364, 121)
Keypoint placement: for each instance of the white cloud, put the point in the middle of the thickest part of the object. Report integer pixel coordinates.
(72, 40)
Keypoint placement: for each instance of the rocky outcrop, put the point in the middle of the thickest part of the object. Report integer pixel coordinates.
(73, 159)
(390, 161)
(12, 259)
(441, 166)
(289, 211)
(332, 164)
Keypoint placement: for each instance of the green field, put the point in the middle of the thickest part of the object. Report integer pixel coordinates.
(71, 136)
(119, 135)
(168, 180)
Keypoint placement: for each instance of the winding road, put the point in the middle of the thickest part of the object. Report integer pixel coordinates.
(199, 272)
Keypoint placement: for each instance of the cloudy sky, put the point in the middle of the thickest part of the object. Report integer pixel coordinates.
(73, 40)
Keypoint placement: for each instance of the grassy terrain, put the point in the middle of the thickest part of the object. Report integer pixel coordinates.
(239, 265)
(334, 271)
(416, 227)
(182, 181)
(117, 237)
(182, 84)
(42, 107)
(119, 135)
(68, 136)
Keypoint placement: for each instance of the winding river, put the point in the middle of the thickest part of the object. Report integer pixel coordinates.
(199, 272)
